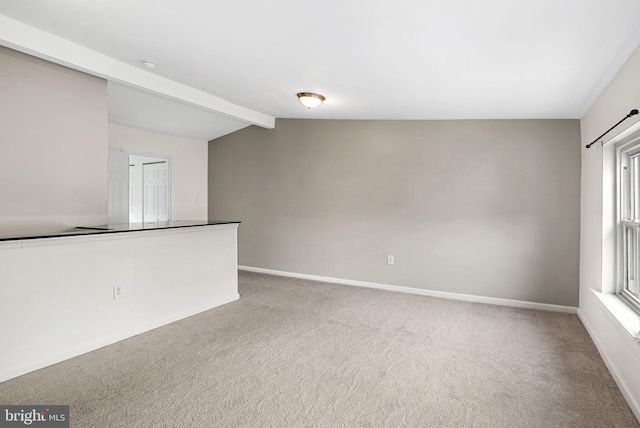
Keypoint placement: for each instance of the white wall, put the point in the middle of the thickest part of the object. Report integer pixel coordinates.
(617, 347)
(477, 207)
(53, 135)
(56, 299)
(189, 166)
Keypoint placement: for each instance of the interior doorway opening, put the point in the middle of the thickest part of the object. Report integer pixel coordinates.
(149, 189)
(140, 188)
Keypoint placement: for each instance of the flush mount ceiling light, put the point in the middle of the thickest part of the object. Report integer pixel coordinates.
(310, 100)
(148, 64)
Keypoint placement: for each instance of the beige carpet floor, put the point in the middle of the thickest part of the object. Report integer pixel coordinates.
(295, 353)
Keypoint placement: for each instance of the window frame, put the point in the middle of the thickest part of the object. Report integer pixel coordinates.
(627, 216)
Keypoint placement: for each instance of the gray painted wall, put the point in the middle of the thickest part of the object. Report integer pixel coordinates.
(488, 208)
(53, 132)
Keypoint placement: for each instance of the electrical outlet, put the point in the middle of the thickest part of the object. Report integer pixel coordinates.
(390, 259)
(118, 291)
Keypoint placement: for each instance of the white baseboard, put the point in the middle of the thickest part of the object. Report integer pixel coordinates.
(30, 366)
(624, 389)
(419, 291)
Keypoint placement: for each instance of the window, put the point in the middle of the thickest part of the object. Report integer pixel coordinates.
(629, 222)
(618, 293)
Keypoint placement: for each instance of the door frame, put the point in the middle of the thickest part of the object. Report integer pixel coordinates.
(121, 200)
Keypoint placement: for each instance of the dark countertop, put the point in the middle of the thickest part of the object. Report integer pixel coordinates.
(118, 228)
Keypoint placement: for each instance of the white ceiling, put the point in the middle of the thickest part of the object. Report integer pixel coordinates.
(410, 59)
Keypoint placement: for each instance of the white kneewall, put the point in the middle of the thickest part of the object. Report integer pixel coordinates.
(189, 166)
(618, 348)
(57, 296)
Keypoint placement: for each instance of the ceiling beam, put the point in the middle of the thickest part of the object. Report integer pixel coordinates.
(30, 40)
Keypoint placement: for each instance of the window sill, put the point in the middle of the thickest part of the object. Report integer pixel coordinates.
(620, 312)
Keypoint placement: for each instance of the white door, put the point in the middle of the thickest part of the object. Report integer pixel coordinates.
(118, 176)
(155, 191)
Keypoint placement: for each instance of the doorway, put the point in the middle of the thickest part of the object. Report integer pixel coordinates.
(140, 188)
(149, 189)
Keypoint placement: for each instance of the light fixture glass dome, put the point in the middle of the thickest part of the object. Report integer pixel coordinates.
(310, 100)
(149, 64)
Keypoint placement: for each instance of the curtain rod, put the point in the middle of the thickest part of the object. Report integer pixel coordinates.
(631, 113)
